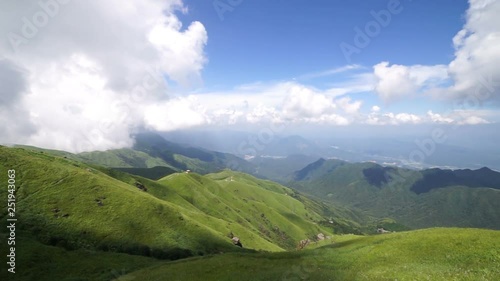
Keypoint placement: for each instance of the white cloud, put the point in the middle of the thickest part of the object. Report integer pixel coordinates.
(378, 118)
(395, 82)
(473, 74)
(477, 56)
(88, 84)
(184, 60)
(174, 114)
(277, 103)
(77, 84)
(470, 117)
(348, 106)
(263, 114)
(473, 120)
(438, 118)
(407, 118)
(303, 102)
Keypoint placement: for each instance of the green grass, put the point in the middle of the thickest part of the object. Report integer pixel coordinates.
(67, 203)
(123, 158)
(154, 173)
(36, 261)
(262, 207)
(431, 254)
(80, 222)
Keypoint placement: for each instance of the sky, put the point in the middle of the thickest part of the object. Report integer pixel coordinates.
(85, 75)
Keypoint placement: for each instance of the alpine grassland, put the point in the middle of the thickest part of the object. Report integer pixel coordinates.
(82, 221)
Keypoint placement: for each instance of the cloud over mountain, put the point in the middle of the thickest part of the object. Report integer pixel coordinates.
(93, 71)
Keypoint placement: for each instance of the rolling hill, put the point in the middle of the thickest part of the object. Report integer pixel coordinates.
(417, 199)
(431, 254)
(80, 221)
(75, 205)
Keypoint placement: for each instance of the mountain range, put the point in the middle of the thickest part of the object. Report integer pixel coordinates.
(130, 212)
(415, 198)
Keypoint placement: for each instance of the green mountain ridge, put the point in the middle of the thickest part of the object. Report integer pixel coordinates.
(74, 205)
(461, 198)
(154, 157)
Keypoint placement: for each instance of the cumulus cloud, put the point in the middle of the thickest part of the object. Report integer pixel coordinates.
(477, 56)
(473, 74)
(438, 118)
(174, 114)
(390, 118)
(473, 120)
(395, 82)
(84, 75)
(305, 102)
(277, 103)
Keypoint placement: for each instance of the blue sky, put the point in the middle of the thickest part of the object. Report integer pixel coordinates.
(279, 40)
(268, 43)
(73, 84)
(272, 42)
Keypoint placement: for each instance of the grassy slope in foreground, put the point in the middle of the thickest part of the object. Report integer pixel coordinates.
(67, 203)
(73, 205)
(36, 261)
(430, 254)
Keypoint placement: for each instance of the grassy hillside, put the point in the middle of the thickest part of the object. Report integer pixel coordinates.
(40, 262)
(123, 158)
(73, 205)
(431, 254)
(127, 160)
(67, 203)
(261, 206)
(84, 222)
(388, 192)
(154, 173)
